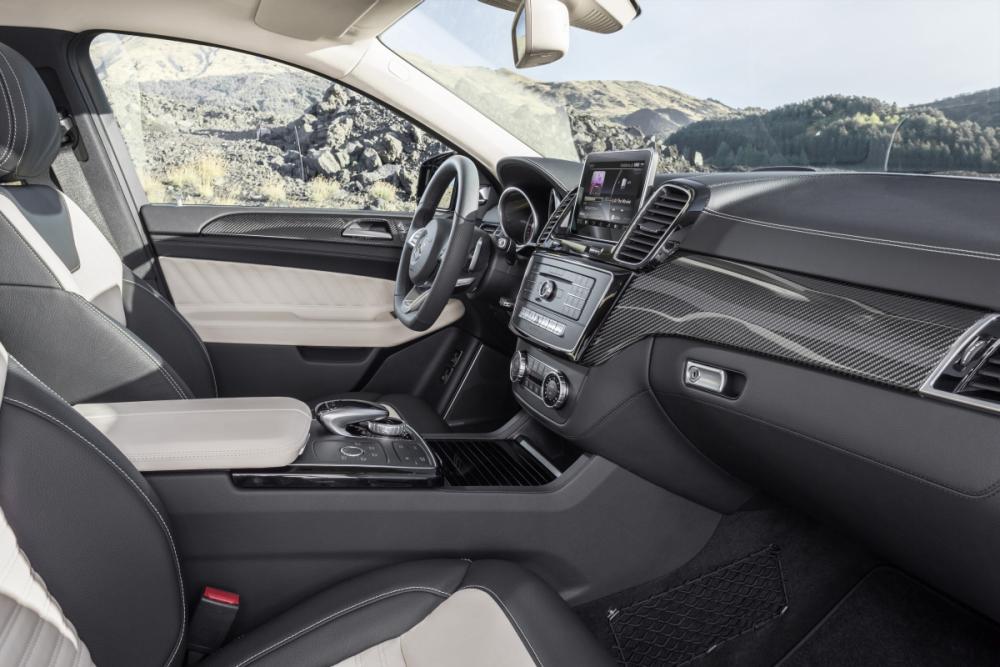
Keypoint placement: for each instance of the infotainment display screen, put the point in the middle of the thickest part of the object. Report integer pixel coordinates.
(612, 188)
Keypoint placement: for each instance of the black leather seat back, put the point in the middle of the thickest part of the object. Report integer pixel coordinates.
(91, 526)
(69, 309)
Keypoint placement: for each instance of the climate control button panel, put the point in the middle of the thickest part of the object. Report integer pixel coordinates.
(545, 382)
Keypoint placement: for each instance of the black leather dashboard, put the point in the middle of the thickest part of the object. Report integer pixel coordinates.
(933, 236)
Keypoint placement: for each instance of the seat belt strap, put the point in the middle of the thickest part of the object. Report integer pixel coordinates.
(211, 622)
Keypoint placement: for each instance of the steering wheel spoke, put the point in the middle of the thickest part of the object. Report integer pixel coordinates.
(437, 246)
(414, 299)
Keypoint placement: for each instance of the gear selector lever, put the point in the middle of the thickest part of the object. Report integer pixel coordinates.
(337, 415)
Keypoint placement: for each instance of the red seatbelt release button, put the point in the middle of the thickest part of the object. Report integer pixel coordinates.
(221, 596)
(212, 620)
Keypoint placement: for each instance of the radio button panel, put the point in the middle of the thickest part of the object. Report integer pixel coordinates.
(561, 300)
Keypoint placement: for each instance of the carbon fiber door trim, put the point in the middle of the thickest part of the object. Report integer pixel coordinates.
(879, 336)
(326, 227)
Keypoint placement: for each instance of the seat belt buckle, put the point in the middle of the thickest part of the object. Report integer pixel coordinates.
(211, 622)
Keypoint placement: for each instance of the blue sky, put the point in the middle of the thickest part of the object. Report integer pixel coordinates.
(748, 52)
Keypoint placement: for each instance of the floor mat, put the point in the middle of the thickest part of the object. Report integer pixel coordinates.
(687, 621)
(818, 565)
(890, 619)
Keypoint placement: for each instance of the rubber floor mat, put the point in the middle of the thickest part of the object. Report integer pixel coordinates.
(690, 620)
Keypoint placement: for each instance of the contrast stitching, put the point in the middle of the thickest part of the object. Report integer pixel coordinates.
(24, 105)
(183, 320)
(925, 247)
(9, 99)
(510, 616)
(149, 503)
(128, 336)
(38, 380)
(337, 614)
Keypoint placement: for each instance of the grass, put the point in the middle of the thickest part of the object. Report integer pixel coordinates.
(274, 191)
(323, 191)
(202, 176)
(384, 192)
(156, 192)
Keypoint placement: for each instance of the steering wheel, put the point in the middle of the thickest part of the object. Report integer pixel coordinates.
(437, 247)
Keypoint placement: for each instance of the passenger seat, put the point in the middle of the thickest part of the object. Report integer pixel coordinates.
(92, 574)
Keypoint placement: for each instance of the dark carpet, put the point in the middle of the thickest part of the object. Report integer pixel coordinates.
(892, 620)
(818, 567)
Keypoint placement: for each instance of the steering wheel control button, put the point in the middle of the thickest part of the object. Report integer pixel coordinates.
(555, 390)
(547, 289)
(518, 367)
(706, 378)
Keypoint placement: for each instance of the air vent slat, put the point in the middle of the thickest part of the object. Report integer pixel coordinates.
(654, 224)
(984, 381)
(557, 215)
(990, 371)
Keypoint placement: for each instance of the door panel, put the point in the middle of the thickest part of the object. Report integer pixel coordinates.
(288, 305)
(237, 302)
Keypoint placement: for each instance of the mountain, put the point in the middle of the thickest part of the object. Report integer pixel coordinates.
(539, 112)
(982, 107)
(841, 131)
(214, 126)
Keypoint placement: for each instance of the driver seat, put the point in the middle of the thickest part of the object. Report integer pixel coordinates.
(71, 310)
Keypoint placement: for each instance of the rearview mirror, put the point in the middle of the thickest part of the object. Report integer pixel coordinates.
(540, 33)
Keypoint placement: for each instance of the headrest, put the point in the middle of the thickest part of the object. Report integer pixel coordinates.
(30, 133)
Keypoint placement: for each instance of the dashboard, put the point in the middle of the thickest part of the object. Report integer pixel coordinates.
(829, 337)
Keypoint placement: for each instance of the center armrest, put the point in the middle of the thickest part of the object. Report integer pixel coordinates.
(204, 434)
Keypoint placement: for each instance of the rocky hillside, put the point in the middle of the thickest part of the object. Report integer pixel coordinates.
(213, 127)
(346, 139)
(210, 126)
(547, 114)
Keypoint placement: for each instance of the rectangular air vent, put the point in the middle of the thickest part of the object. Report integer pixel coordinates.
(557, 215)
(489, 463)
(970, 373)
(646, 234)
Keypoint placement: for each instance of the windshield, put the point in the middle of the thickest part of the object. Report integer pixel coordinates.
(896, 85)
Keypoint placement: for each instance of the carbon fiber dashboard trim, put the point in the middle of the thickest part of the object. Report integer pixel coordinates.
(301, 227)
(878, 336)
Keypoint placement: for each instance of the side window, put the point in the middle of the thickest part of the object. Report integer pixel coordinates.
(206, 125)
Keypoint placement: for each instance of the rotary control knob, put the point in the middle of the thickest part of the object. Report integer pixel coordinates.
(388, 427)
(518, 366)
(547, 290)
(555, 389)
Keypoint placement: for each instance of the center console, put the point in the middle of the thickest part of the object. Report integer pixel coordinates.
(354, 444)
(561, 302)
